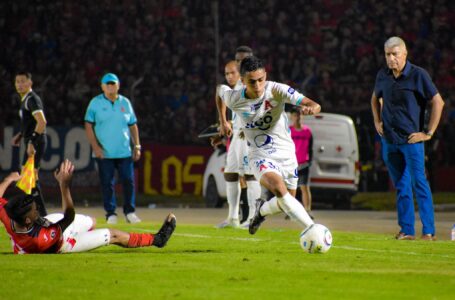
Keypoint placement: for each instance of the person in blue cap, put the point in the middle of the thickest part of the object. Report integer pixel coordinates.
(111, 128)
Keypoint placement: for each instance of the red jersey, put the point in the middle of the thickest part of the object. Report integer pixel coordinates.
(38, 239)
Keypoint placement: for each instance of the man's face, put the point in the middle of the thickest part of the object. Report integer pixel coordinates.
(110, 88)
(295, 117)
(255, 82)
(232, 75)
(32, 215)
(395, 57)
(239, 56)
(23, 84)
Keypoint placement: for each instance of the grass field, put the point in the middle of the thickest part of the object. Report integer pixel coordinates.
(201, 262)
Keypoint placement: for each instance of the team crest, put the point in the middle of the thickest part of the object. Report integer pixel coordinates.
(291, 91)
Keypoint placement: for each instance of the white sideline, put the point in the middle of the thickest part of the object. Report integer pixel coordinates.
(202, 236)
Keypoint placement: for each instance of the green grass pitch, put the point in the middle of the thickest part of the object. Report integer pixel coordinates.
(201, 262)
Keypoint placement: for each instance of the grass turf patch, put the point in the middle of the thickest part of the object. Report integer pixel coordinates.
(201, 262)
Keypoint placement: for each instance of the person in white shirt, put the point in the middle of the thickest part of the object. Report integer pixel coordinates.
(271, 153)
(237, 155)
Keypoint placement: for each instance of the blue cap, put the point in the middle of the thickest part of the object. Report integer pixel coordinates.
(110, 77)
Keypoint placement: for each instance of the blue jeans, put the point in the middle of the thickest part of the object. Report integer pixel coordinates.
(125, 169)
(406, 164)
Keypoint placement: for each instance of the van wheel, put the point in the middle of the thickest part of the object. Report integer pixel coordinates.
(212, 198)
(342, 203)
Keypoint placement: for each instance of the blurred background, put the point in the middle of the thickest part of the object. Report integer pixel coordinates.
(169, 55)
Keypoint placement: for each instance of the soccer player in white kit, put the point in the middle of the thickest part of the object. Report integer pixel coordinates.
(67, 232)
(260, 108)
(237, 156)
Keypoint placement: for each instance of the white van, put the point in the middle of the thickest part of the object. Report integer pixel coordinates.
(334, 173)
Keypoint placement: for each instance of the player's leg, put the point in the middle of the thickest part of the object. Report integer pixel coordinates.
(233, 190)
(401, 179)
(271, 177)
(106, 169)
(85, 241)
(126, 172)
(253, 192)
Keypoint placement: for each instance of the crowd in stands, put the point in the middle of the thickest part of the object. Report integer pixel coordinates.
(165, 53)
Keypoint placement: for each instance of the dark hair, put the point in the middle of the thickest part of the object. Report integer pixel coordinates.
(24, 73)
(244, 49)
(18, 206)
(250, 64)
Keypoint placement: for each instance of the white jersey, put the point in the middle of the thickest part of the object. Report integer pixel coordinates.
(264, 120)
(235, 120)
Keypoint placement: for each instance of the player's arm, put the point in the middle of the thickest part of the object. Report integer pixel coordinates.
(40, 127)
(64, 175)
(89, 131)
(376, 111)
(134, 130)
(309, 106)
(12, 177)
(286, 93)
(225, 125)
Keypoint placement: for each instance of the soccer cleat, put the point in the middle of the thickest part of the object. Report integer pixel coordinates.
(257, 219)
(404, 237)
(165, 232)
(112, 219)
(132, 218)
(234, 223)
(428, 237)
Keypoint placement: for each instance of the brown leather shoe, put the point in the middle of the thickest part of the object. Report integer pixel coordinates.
(428, 237)
(404, 236)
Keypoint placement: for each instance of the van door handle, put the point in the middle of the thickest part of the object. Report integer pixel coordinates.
(321, 149)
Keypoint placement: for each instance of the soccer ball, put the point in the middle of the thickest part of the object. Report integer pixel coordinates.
(316, 239)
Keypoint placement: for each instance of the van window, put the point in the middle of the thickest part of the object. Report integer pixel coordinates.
(337, 132)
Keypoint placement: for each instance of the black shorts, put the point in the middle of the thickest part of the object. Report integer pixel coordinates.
(303, 176)
(40, 150)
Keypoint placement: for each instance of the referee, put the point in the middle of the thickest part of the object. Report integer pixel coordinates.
(33, 129)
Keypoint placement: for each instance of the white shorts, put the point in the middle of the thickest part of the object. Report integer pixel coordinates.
(80, 236)
(237, 156)
(286, 168)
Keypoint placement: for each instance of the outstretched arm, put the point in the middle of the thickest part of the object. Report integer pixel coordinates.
(225, 126)
(12, 177)
(64, 175)
(309, 106)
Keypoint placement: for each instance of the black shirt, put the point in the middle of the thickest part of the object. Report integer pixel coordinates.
(31, 104)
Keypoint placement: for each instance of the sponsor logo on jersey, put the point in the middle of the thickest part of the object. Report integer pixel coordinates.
(263, 123)
(291, 91)
(255, 107)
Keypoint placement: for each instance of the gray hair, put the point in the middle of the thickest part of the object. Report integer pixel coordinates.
(394, 41)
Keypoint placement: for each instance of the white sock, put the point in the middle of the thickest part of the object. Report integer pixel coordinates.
(295, 210)
(233, 198)
(270, 207)
(253, 193)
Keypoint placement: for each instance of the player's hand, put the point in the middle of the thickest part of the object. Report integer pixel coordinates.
(98, 152)
(64, 174)
(30, 149)
(14, 176)
(307, 110)
(136, 154)
(225, 129)
(216, 140)
(417, 137)
(16, 140)
(379, 127)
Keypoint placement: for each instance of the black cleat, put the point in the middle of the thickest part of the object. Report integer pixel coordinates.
(165, 232)
(257, 219)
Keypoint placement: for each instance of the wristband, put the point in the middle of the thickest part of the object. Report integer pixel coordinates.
(137, 147)
(429, 133)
